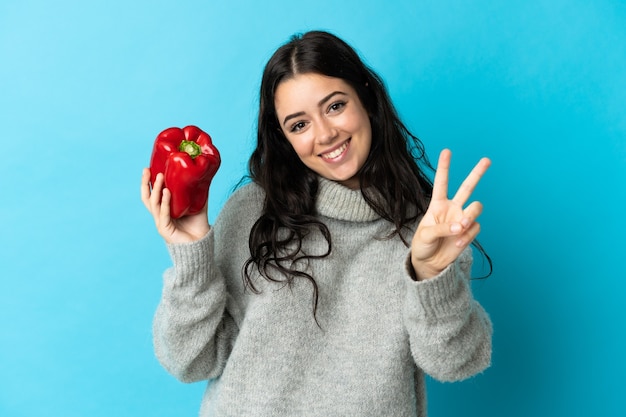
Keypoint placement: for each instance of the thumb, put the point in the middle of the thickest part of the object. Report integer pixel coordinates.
(430, 234)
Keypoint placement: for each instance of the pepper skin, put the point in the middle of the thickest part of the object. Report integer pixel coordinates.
(189, 160)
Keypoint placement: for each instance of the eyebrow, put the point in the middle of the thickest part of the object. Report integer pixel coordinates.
(322, 101)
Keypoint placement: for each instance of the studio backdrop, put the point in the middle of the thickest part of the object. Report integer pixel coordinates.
(539, 86)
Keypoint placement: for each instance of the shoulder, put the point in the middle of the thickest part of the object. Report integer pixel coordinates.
(245, 204)
(247, 194)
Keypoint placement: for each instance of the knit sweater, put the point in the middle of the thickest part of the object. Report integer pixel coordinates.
(378, 331)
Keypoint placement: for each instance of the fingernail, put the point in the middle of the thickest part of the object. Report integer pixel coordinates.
(466, 222)
(455, 228)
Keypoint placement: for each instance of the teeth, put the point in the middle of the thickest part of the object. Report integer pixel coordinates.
(336, 152)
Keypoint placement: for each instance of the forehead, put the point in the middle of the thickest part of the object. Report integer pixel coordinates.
(307, 89)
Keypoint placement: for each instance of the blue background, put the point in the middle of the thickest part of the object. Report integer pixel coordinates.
(539, 86)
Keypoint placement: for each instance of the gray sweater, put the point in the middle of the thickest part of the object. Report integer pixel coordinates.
(264, 355)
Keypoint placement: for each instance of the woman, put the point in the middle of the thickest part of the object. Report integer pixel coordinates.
(338, 277)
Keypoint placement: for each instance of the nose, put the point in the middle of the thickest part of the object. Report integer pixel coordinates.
(325, 132)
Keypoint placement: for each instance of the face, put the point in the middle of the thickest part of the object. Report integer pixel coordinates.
(325, 122)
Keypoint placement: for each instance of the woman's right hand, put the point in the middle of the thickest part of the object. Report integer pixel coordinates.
(157, 200)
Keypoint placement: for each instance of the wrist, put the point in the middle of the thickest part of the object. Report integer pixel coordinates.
(422, 271)
(178, 237)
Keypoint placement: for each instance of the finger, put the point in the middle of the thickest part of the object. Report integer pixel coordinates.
(164, 215)
(469, 236)
(155, 196)
(145, 188)
(471, 213)
(469, 184)
(157, 188)
(430, 234)
(440, 184)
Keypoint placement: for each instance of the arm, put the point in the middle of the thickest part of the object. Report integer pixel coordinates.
(449, 332)
(192, 329)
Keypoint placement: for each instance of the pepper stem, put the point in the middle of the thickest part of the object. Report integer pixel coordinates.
(191, 147)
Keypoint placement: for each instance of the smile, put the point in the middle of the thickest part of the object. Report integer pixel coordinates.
(337, 152)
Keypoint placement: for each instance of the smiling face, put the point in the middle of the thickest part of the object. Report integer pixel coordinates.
(325, 122)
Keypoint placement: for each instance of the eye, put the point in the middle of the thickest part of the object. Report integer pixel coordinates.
(296, 127)
(336, 106)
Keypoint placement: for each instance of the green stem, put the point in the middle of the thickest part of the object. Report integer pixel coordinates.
(192, 148)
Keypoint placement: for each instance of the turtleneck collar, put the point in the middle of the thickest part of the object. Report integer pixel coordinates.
(342, 203)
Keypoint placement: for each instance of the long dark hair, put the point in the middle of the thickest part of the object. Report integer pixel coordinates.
(392, 179)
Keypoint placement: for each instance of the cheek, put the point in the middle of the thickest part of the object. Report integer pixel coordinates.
(358, 121)
(367, 142)
(364, 128)
(301, 146)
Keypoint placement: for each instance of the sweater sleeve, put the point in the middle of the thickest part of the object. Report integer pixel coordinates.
(192, 330)
(450, 333)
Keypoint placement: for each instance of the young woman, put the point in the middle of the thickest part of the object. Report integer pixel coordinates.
(334, 280)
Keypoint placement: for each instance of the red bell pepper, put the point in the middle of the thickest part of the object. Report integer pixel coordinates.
(189, 160)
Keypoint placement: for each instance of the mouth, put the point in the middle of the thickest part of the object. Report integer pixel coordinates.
(337, 152)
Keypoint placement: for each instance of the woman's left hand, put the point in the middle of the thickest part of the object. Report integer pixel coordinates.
(447, 227)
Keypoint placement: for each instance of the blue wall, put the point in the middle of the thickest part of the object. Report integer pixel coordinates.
(85, 86)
